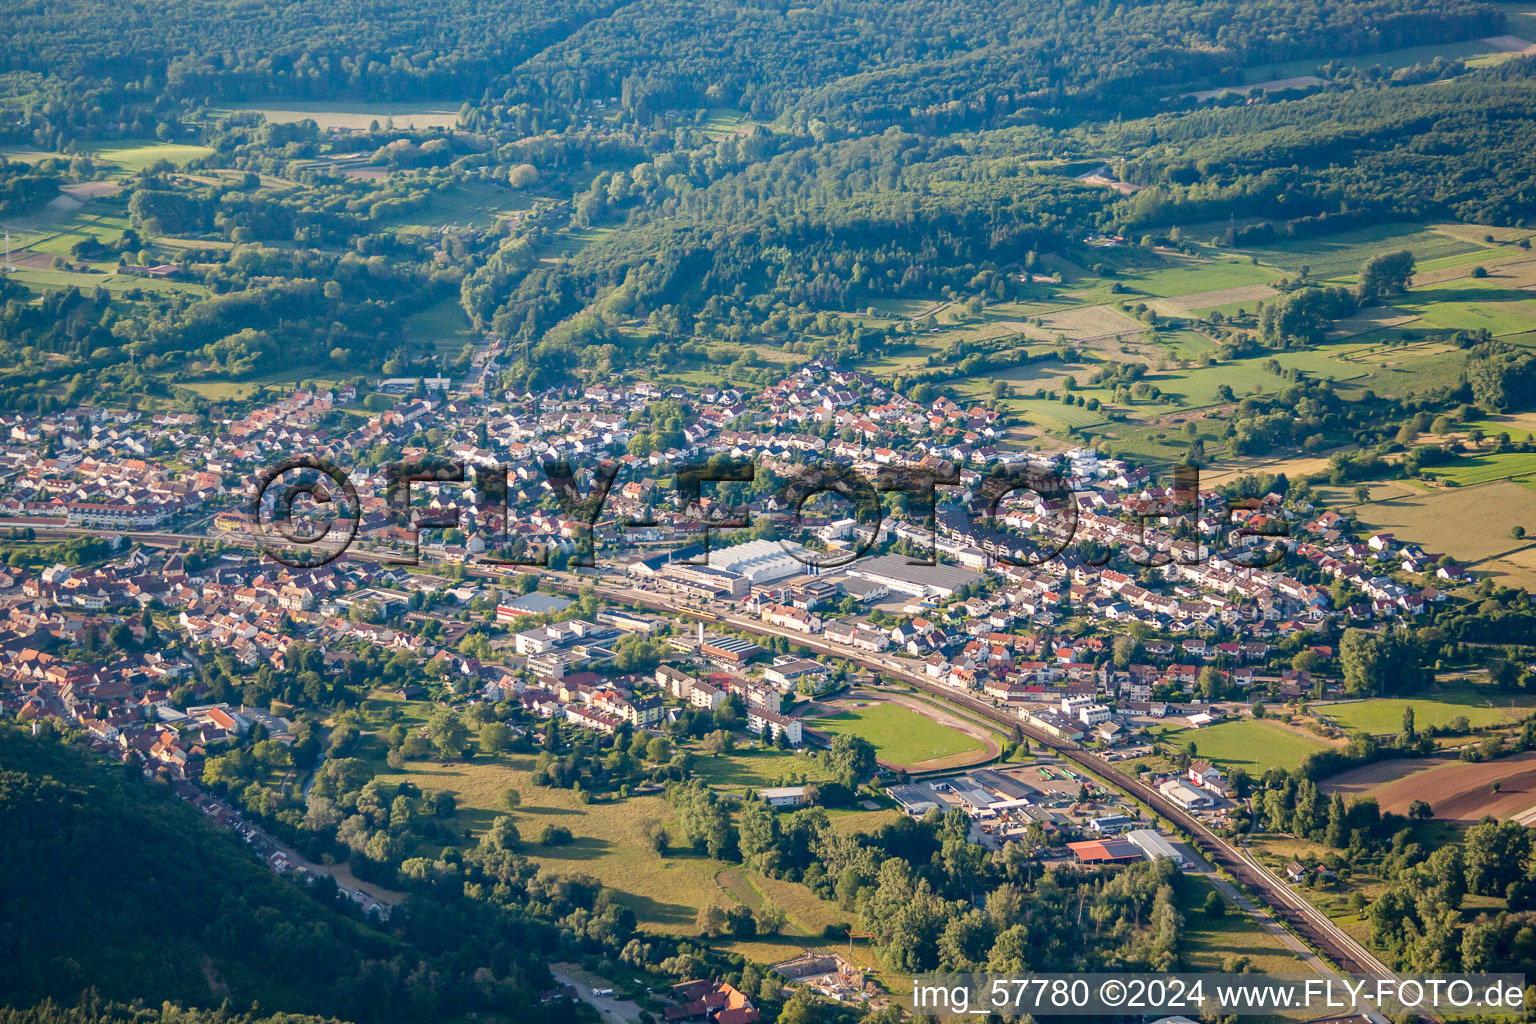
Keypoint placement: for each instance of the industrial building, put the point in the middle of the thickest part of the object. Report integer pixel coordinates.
(896, 573)
(758, 561)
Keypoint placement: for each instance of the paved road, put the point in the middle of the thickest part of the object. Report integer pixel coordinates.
(1337, 945)
(614, 1011)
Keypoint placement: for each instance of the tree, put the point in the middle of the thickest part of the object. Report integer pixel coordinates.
(1384, 275)
(852, 759)
(1337, 835)
(655, 835)
(771, 920)
(658, 749)
(1214, 906)
(710, 921)
(511, 798)
(494, 737)
(448, 734)
(1210, 683)
(1420, 810)
(1409, 731)
(554, 835)
(1360, 658)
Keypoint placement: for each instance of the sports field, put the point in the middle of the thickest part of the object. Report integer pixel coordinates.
(900, 735)
(1253, 745)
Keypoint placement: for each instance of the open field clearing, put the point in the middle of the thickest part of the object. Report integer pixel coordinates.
(665, 892)
(1223, 471)
(1463, 791)
(1198, 386)
(1054, 415)
(1360, 781)
(1339, 255)
(753, 768)
(1090, 323)
(904, 737)
(1384, 715)
(444, 327)
(1457, 268)
(1224, 297)
(1375, 318)
(1273, 85)
(354, 116)
(1471, 524)
(1187, 278)
(1481, 469)
(1471, 305)
(1254, 745)
(1207, 942)
(1471, 50)
(130, 155)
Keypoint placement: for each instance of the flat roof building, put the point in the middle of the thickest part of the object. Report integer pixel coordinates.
(1156, 847)
(896, 573)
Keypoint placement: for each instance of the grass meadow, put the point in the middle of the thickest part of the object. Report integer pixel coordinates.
(1384, 715)
(900, 735)
(1254, 745)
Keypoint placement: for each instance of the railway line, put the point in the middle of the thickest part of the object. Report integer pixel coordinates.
(1338, 947)
(1307, 921)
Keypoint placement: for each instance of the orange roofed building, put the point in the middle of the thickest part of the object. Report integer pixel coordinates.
(711, 1001)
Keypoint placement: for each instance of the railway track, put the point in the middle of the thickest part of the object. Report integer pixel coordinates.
(1305, 920)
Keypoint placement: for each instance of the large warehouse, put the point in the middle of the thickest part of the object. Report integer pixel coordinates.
(896, 573)
(759, 561)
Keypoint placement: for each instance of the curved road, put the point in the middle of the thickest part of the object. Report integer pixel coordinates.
(1336, 944)
(1340, 947)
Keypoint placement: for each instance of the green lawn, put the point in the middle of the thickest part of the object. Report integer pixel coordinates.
(1250, 744)
(754, 768)
(1480, 469)
(1206, 942)
(900, 735)
(1384, 715)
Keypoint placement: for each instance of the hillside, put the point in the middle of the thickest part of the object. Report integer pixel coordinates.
(119, 887)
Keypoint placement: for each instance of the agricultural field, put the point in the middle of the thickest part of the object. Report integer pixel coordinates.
(900, 735)
(1471, 304)
(1463, 791)
(1254, 745)
(1472, 524)
(1338, 256)
(1384, 715)
(1482, 469)
(129, 155)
